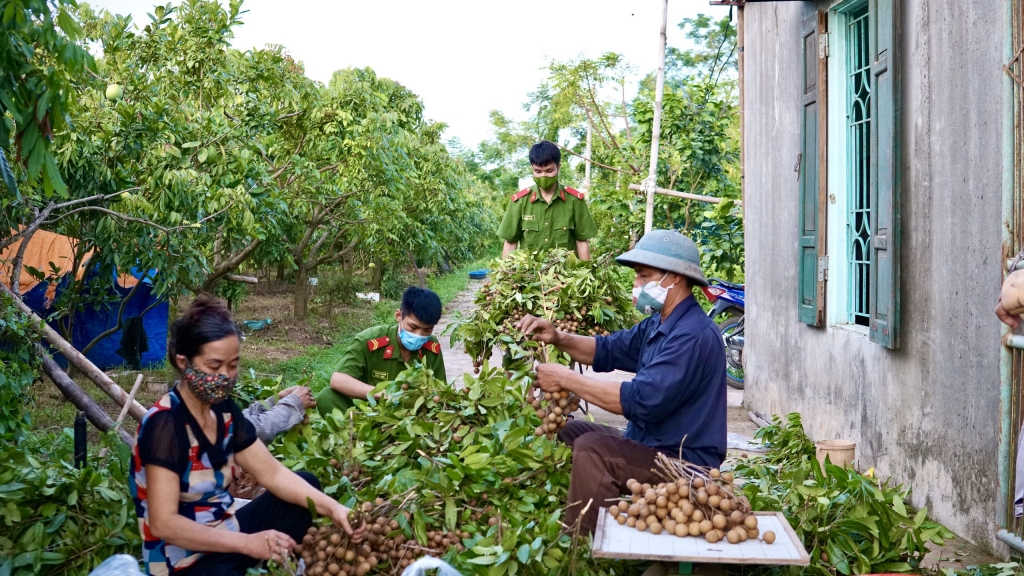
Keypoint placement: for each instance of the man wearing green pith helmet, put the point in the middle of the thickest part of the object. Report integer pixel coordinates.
(547, 215)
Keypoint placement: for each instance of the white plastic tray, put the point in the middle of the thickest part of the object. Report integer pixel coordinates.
(612, 540)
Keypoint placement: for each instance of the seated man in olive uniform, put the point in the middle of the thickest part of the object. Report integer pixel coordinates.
(378, 354)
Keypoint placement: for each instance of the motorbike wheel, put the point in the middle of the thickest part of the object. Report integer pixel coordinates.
(732, 330)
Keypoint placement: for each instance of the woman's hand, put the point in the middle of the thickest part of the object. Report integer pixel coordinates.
(339, 515)
(269, 545)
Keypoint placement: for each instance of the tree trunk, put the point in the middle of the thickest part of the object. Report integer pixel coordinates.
(100, 419)
(378, 276)
(280, 271)
(419, 273)
(301, 305)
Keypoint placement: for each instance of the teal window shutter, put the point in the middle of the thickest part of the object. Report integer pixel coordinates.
(885, 185)
(811, 175)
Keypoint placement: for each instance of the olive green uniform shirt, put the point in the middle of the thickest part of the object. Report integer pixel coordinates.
(538, 225)
(374, 356)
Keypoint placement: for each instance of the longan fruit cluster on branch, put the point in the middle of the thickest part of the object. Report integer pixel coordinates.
(244, 485)
(553, 408)
(689, 503)
(327, 550)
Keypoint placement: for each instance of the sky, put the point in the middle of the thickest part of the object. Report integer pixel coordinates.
(464, 58)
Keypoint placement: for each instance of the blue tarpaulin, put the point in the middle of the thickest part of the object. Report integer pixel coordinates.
(90, 322)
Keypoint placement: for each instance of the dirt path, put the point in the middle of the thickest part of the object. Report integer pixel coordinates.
(457, 363)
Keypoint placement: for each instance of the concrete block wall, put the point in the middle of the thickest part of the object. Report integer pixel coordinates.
(928, 413)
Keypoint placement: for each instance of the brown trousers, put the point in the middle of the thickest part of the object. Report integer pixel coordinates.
(602, 462)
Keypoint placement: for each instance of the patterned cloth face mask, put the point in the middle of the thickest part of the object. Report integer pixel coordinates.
(208, 388)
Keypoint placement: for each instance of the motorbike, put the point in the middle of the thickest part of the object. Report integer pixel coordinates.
(727, 311)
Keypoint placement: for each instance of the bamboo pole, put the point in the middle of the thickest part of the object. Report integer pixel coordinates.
(242, 279)
(586, 175)
(99, 418)
(687, 195)
(659, 91)
(109, 387)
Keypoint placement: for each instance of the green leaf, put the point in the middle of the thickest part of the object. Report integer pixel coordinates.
(892, 567)
(43, 105)
(921, 516)
(68, 24)
(523, 554)
(5, 169)
(450, 513)
(897, 505)
(52, 176)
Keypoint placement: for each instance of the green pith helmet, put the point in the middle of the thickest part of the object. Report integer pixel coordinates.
(667, 250)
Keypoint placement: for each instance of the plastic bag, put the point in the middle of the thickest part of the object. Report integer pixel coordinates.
(118, 565)
(420, 567)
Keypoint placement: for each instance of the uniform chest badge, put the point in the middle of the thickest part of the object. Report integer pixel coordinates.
(380, 375)
(528, 217)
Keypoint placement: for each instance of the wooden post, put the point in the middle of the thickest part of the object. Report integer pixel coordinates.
(586, 170)
(100, 419)
(116, 393)
(659, 91)
(743, 139)
(131, 396)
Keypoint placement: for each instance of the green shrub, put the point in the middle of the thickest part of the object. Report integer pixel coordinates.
(58, 519)
(849, 523)
(336, 287)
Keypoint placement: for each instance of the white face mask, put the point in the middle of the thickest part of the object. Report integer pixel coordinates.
(650, 298)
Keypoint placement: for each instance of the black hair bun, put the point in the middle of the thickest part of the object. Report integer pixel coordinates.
(206, 306)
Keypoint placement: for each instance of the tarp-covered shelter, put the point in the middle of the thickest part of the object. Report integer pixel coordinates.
(139, 342)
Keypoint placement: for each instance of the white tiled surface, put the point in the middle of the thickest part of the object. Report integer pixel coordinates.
(619, 541)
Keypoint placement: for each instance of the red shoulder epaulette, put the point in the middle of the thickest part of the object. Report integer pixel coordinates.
(520, 194)
(433, 346)
(575, 193)
(378, 343)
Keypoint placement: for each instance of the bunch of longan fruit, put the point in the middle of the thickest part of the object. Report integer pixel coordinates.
(553, 408)
(327, 550)
(699, 507)
(574, 325)
(353, 472)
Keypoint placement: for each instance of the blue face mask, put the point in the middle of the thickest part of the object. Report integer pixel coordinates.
(411, 342)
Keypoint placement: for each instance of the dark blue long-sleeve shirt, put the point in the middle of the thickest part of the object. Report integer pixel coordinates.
(679, 388)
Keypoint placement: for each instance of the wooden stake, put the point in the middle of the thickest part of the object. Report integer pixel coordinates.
(131, 397)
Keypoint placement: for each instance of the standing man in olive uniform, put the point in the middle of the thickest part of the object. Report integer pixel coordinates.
(547, 215)
(378, 354)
